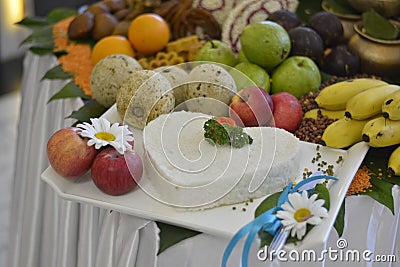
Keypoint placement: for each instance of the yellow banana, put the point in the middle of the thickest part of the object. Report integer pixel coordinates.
(368, 103)
(335, 96)
(391, 106)
(394, 162)
(343, 133)
(381, 132)
(332, 114)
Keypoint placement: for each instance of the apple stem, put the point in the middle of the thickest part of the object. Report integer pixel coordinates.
(212, 44)
(208, 39)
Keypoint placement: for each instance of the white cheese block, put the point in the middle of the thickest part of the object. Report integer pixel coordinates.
(186, 170)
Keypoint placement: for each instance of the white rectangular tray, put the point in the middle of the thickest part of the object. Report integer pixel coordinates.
(221, 221)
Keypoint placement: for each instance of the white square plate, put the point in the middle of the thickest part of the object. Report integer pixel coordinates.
(221, 221)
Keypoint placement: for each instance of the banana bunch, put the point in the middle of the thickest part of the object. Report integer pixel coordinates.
(371, 111)
(335, 96)
(352, 103)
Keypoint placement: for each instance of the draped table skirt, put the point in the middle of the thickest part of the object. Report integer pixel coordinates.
(48, 231)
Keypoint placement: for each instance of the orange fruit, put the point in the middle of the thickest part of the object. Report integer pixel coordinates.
(113, 44)
(148, 33)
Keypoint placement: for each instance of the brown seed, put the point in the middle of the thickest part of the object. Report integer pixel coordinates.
(98, 8)
(81, 26)
(104, 25)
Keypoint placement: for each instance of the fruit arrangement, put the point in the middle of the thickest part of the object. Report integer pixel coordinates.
(267, 69)
(291, 44)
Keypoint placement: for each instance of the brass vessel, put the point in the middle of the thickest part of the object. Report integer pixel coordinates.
(387, 8)
(377, 57)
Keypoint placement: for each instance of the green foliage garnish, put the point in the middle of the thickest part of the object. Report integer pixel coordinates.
(217, 133)
(272, 200)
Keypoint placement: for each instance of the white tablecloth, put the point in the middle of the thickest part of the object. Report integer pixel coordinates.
(47, 231)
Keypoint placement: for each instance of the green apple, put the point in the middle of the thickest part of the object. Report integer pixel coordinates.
(253, 75)
(265, 43)
(217, 51)
(297, 75)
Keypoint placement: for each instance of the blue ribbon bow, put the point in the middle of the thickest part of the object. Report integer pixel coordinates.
(267, 221)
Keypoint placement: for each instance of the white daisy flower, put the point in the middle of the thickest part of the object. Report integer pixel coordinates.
(301, 210)
(102, 133)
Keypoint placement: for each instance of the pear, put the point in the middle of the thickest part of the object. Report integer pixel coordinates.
(250, 75)
(217, 51)
(297, 75)
(266, 44)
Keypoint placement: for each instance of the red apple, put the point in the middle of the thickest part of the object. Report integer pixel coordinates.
(249, 107)
(269, 99)
(287, 111)
(114, 173)
(69, 154)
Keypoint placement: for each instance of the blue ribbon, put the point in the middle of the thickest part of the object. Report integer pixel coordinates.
(267, 221)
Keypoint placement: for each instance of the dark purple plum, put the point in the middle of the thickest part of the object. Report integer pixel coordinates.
(340, 61)
(306, 42)
(328, 26)
(286, 18)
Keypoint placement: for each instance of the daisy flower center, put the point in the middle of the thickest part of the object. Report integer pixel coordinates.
(301, 215)
(108, 137)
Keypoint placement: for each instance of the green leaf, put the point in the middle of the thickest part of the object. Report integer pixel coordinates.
(268, 203)
(59, 14)
(340, 7)
(325, 76)
(339, 222)
(41, 50)
(306, 9)
(57, 73)
(91, 109)
(381, 191)
(377, 161)
(41, 37)
(265, 238)
(378, 26)
(323, 193)
(70, 90)
(33, 22)
(60, 53)
(171, 235)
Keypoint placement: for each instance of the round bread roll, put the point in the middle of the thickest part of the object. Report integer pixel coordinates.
(176, 76)
(107, 76)
(143, 96)
(209, 90)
